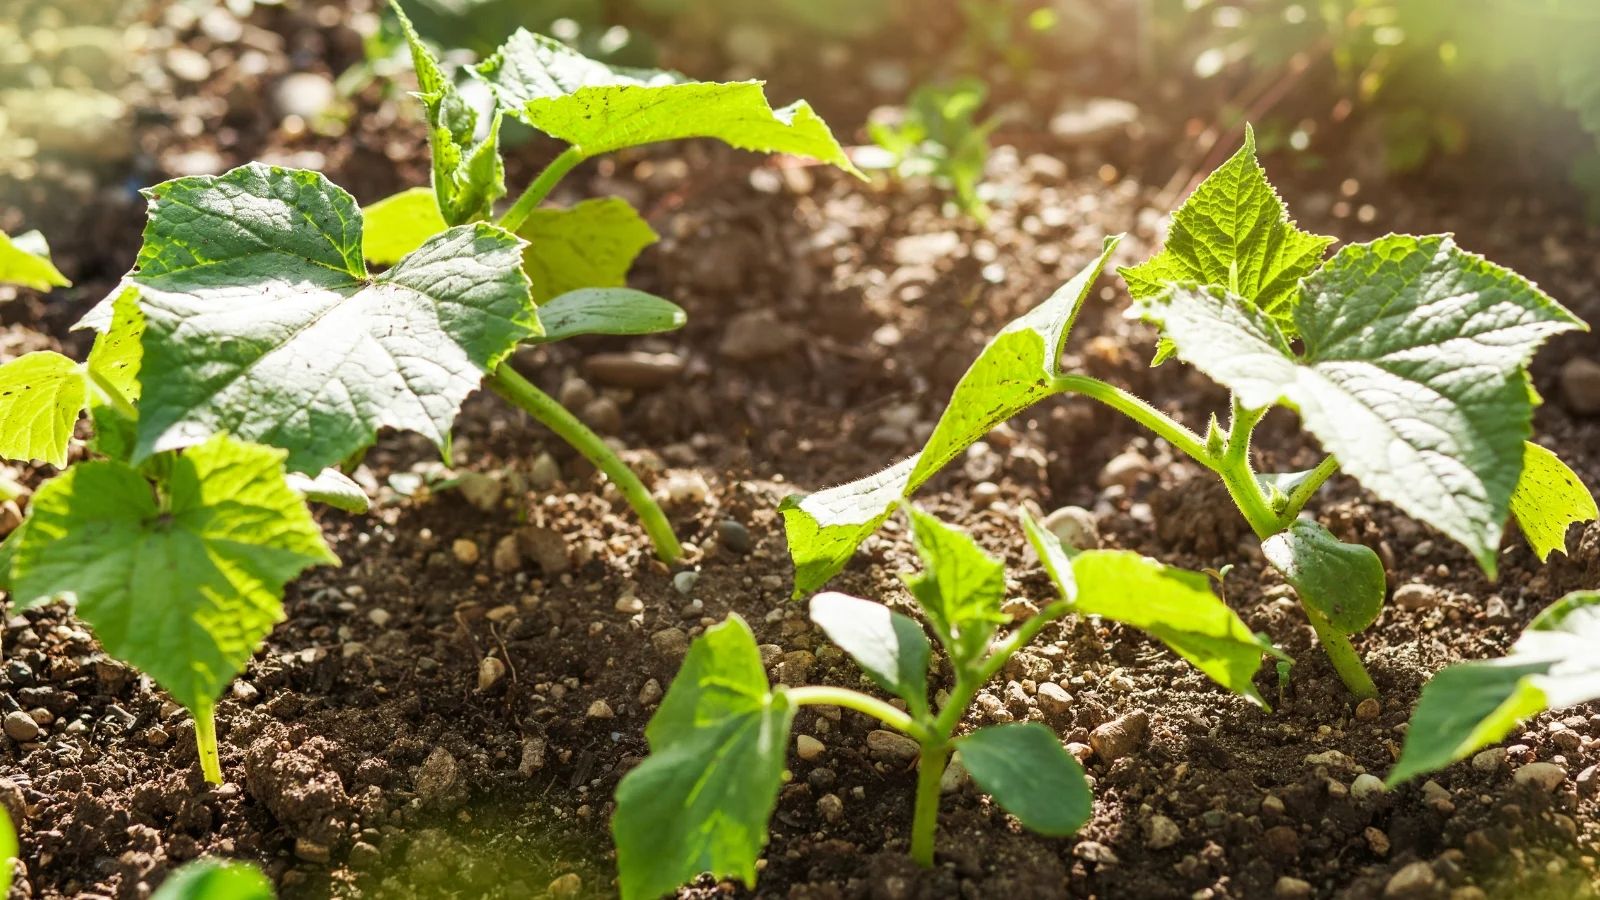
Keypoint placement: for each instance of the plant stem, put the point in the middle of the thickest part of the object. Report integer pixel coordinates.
(205, 737)
(505, 381)
(1342, 654)
(1240, 478)
(540, 189)
(1138, 410)
(1304, 491)
(925, 817)
(824, 695)
(110, 393)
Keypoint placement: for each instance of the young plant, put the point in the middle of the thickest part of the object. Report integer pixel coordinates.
(1405, 357)
(1471, 705)
(701, 801)
(938, 137)
(213, 879)
(265, 322)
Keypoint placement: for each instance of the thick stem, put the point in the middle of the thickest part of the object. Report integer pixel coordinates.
(507, 383)
(1138, 410)
(824, 695)
(1342, 654)
(205, 737)
(1240, 478)
(925, 817)
(540, 189)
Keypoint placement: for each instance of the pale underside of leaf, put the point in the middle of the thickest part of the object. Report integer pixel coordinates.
(889, 647)
(331, 487)
(1013, 372)
(590, 245)
(615, 311)
(1549, 499)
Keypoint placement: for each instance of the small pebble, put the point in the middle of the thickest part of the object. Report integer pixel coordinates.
(1542, 775)
(1368, 710)
(1416, 596)
(684, 582)
(1161, 833)
(1075, 527)
(600, 709)
(1116, 739)
(490, 671)
(629, 604)
(686, 487)
(831, 807)
(20, 727)
(1290, 888)
(1414, 881)
(650, 692)
(568, 885)
(808, 747)
(891, 745)
(1366, 786)
(466, 551)
(734, 536)
(1489, 760)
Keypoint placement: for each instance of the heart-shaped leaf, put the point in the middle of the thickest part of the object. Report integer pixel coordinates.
(889, 647)
(1345, 583)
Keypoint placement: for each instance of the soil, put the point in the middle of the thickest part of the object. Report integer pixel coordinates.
(367, 758)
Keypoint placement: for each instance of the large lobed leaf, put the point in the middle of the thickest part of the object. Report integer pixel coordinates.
(25, 260)
(599, 108)
(184, 588)
(1412, 373)
(1014, 371)
(1234, 232)
(1174, 605)
(1473, 704)
(263, 322)
(700, 802)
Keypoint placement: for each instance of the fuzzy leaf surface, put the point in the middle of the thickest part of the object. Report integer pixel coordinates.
(261, 320)
(399, 224)
(1412, 373)
(1015, 370)
(700, 802)
(1470, 705)
(185, 593)
(1026, 770)
(889, 647)
(617, 311)
(25, 260)
(599, 108)
(590, 245)
(1344, 582)
(1549, 499)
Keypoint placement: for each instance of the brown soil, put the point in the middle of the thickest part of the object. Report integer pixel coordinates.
(364, 761)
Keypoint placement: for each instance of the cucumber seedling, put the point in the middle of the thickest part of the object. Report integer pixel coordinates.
(938, 136)
(701, 801)
(1471, 705)
(1406, 357)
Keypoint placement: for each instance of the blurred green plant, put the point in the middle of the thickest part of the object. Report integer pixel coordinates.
(939, 136)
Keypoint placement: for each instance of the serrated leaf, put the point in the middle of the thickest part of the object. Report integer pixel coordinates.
(25, 260)
(41, 395)
(1412, 373)
(117, 353)
(1015, 370)
(700, 802)
(961, 588)
(1345, 583)
(468, 174)
(615, 311)
(1549, 499)
(1234, 233)
(399, 224)
(1470, 705)
(262, 321)
(214, 879)
(333, 488)
(183, 589)
(1026, 770)
(1174, 605)
(599, 108)
(591, 245)
(889, 647)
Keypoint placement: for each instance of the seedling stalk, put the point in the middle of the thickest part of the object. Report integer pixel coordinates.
(205, 736)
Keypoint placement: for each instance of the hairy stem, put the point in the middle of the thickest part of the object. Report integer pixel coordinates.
(1175, 433)
(925, 817)
(1240, 478)
(540, 189)
(1342, 654)
(520, 392)
(824, 695)
(1303, 492)
(205, 737)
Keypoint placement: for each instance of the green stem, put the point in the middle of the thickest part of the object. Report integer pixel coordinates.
(1138, 410)
(1342, 654)
(1302, 493)
(111, 394)
(824, 695)
(1240, 478)
(540, 189)
(925, 816)
(205, 737)
(505, 381)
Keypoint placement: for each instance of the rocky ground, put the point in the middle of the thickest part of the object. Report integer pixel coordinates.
(449, 712)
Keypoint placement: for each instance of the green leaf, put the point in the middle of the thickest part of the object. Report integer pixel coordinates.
(1234, 232)
(1027, 771)
(8, 554)
(1470, 705)
(332, 487)
(25, 260)
(212, 879)
(468, 175)
(599, 108)
(183, 589)
(9, 852)
(1344, 582)
(700, 802)
(961, 588)
(620, 311)
(1412, 373)
(41, 395)
(889, 647)
(1016, 370)
(1548, 499)
(1174, 605)
(399, 224)
(263, 323)
(591, 245)
(117, 354)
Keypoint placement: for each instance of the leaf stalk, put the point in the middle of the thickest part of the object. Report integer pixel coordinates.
(540, 189)
(826, 695)
(205, 737)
